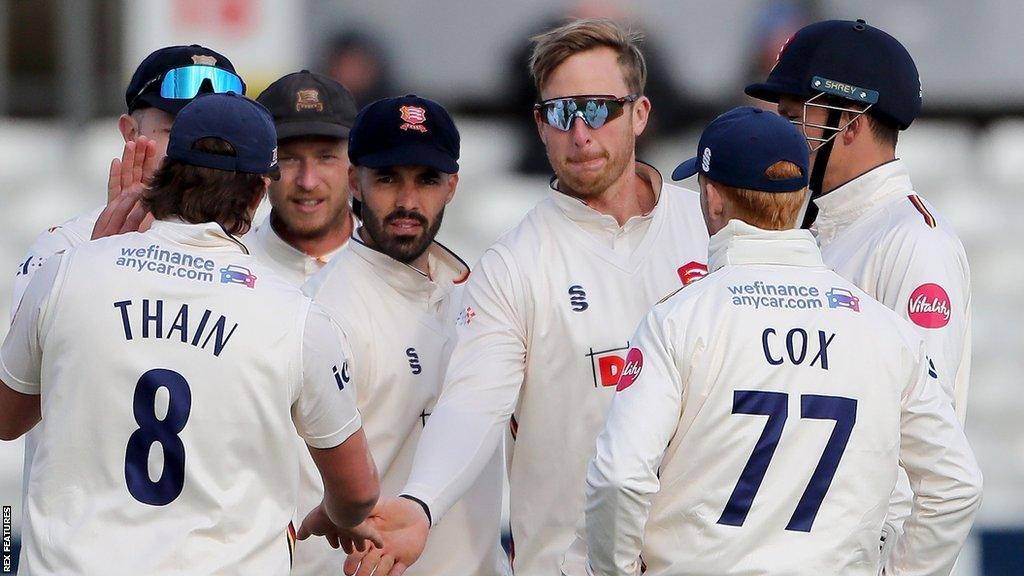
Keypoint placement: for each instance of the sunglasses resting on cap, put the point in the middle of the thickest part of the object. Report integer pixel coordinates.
(595, 111)
(185, 82)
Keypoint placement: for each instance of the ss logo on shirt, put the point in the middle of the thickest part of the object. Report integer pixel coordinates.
(414, 360)
(578, 298)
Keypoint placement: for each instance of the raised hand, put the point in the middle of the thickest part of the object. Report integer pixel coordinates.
(404, 527)
(126, 182)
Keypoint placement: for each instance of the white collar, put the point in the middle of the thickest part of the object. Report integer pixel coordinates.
(445, 270)
(203, 235)
(578, 211)
(847, 203)
(287, 255)
(740, 243)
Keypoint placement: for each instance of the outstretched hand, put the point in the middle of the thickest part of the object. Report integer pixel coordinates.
(127, 181)
(356, 539)
(404, 527)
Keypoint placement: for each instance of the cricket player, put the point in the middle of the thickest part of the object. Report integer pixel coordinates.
(309, 223)
(310, 219)
(852, 88)
(762, 412)
(547, 315)
(161, 86)
(394, 293)
(172, 395)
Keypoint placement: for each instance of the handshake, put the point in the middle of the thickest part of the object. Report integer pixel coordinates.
(386, 543)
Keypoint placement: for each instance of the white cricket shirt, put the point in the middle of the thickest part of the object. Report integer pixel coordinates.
(174, 371)
(759, 423)
(541, 339)
(54, 241)
(293, 264)
(876, 232)
(400, 323)
(879, 234)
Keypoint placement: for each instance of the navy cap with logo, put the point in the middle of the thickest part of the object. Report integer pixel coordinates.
(239, 121)
(405, 131)
(738, 147)
(170, 77)
(309, 104)
(850, 60)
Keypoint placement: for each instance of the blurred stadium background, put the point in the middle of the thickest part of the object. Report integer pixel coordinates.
(64, 65)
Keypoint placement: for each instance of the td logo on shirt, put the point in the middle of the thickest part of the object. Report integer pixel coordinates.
(607, 365)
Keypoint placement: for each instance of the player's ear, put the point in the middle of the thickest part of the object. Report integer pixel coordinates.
(353, 182)
(453, 181)
(715, 201)
(128, 127)
(540, 126)
(855, 129)
(641, 113)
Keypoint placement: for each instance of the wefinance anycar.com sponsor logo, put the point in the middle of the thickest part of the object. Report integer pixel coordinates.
(760, 294)
(167, 263)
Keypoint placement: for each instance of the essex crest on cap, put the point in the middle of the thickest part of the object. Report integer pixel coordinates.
(308, 99)
(204, 60)
(413, 118)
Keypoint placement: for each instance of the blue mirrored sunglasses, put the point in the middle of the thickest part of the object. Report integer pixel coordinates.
(184, 83)
(596, 111)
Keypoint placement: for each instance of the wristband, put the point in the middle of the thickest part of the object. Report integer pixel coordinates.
(426, 510)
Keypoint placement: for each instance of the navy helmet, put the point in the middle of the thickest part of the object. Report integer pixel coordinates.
(849, 60)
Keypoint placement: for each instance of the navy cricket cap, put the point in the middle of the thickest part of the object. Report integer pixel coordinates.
(404, 131)
(851, 60)
(241, 122)
(144, 88)
(309, 104)
(739, 146)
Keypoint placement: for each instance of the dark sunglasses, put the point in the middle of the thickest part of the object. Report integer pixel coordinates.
(595, 111)
(184, 83)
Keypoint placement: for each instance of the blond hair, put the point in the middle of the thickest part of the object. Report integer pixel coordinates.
(767, 210)
(553, 47)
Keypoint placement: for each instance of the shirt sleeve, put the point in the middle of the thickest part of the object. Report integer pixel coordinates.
(944, 477)
(324, 412)
(926, 279)
(53, 241)
(623, 474)
(22, 352)
(482, 384)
